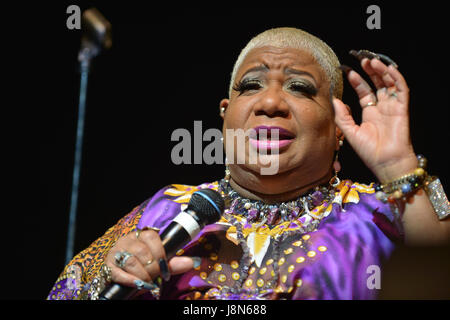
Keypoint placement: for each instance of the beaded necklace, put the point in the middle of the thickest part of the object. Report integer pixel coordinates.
(254, 211)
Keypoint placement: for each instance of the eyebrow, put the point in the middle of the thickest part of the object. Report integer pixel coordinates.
(287, 71)
(262, 67)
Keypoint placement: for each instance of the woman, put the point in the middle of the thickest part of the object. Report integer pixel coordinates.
(299, 233)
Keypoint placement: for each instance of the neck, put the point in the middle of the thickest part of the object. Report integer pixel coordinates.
(248, 192)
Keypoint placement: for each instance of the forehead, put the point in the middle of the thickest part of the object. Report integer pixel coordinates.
(279, 58)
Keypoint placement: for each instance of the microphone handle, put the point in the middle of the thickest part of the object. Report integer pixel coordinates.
(173, 238)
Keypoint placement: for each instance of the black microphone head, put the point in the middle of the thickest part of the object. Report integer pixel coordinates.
(208, 204)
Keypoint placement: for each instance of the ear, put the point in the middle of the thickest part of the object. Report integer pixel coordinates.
(339, 137)
(223, 105)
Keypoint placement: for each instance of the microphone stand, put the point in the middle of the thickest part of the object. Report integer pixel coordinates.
(85, 56)
(96, 36)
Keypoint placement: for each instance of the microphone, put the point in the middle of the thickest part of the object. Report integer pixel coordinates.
(205, 207)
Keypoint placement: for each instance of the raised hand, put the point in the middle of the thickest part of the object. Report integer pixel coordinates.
(382, 140)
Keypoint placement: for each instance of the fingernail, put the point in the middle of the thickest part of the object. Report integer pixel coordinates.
(197, 261)
(164, 268)
(387, 60)
(144, 285)
(361, 54)
(355, 54)
(345, 68)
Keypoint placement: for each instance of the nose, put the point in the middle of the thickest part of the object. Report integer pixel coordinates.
(271, 103)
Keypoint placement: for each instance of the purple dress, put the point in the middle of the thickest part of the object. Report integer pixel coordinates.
(338, 260)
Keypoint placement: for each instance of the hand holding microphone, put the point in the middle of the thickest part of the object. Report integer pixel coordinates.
(141, 256)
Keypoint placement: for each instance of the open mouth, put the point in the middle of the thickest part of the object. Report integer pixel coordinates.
(270, 138)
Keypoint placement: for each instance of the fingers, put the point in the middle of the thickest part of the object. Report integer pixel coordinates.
(179, 265)
(380, 70)
(391, 79)
(376, 79)
(361, 87)
(386, 78)
(142, 264)
(344, 119)
(399, 83)
(380, 80)
(152, 240)
(122, 277)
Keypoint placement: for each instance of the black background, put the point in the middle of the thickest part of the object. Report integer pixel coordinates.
(170, 66)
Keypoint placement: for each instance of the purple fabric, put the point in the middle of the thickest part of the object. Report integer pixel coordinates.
(355, 236)
(330, 263)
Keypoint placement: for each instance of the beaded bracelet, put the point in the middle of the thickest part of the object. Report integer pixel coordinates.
(407, 185)
(403, 186)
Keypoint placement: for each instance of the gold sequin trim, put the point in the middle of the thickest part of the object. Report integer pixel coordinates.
(260, 283)
(297, 243)
(300, 259)
(222, 278)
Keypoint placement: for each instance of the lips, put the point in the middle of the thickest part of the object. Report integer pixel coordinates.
(269, 137)
(269, 132)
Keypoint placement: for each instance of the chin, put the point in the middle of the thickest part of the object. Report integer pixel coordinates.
(275, 166)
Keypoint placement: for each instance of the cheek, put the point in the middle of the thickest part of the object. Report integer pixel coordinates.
(237, 115)
(313, 118)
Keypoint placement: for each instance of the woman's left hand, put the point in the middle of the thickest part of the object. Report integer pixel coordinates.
(382, 140)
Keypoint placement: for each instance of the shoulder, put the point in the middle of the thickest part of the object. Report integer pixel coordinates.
(358, 208)
(348, 191)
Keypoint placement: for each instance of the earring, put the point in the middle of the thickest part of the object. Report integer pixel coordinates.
(341, 143)
(227, 174)
(222, 110)
(334, 182)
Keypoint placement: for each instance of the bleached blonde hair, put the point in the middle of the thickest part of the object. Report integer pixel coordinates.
(297, 39)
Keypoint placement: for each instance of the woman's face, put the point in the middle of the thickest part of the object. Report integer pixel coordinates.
(283, 88)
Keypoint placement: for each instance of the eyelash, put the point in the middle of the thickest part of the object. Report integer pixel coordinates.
(303, 87)
(306, 88)
(247, 85)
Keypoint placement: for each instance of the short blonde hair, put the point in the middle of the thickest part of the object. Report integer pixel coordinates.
(297, 39)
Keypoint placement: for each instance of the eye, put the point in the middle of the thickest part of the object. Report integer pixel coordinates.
(304, 87)
(247, 85)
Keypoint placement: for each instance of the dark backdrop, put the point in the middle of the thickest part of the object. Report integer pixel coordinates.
(170, 66)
